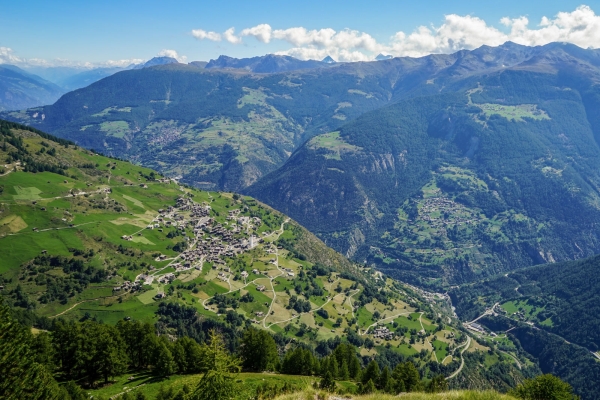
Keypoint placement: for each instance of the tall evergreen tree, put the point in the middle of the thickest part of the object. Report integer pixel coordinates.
(328, 382)
(344, 373)
(406, 377)
(164, 363)
(218, 382)
(258, 350)
(20, 376)
(333, 367)
(355, 368)
(371, 373)
(437, 384)
(384, 379)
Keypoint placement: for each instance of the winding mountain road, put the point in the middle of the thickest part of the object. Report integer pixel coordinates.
(462, 359)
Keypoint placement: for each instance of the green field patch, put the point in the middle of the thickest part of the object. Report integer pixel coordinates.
(115, 312)
(361, 93)
(406, 349)
(441, 349)
(365, 318)
(115, 128)
(252, 96)
(27, 193)
(211, 288)
(334, 144)
(109, 110)
(134, 201)
(412, 323)
(148, 296)
(514, 113)
(12, 224)
(141, 239)
(20, 248)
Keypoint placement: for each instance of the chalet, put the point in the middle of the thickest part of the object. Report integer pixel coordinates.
(259, 314)
(260, 288)
(244, 274)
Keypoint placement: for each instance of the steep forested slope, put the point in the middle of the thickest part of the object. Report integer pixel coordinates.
(561, 298)
(500, 175)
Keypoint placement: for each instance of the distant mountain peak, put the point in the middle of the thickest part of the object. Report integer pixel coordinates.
(328, 60)
(381, 57)
(269, 63)
(157, 61)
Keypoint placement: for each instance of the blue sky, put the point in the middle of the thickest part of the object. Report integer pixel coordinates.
(97, 31)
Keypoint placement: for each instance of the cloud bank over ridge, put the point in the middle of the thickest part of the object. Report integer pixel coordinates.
(580, 27)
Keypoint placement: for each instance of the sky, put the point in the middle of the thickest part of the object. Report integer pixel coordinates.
(116, 33)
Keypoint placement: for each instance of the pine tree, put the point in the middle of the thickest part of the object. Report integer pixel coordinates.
(164, 364)
(367, 388)
(328, 382)
(371, 372)
(344, 373)
(259, 351)
(218, 382)
(324, 366)
(437, 384)
(407, 377)
(355, 368)
(384, 379)
(21, 376)
(74, 391)
(333, 367)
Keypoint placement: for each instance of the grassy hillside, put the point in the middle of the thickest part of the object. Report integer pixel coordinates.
(457, 395)
(87, 237)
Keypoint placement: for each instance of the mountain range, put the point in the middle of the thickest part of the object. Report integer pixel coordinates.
(430, 168)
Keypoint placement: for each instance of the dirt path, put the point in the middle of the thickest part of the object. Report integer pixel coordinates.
(462, 359)
(49, 229)
(426, 338)
(78, 303)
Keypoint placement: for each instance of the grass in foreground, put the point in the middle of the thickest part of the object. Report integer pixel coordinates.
(311, 394)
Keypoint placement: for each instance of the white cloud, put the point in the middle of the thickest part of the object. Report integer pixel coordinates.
(229, 35)
(261, 32)
(7, 56)
(201, 34)
(580, 27)
(172, 54)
